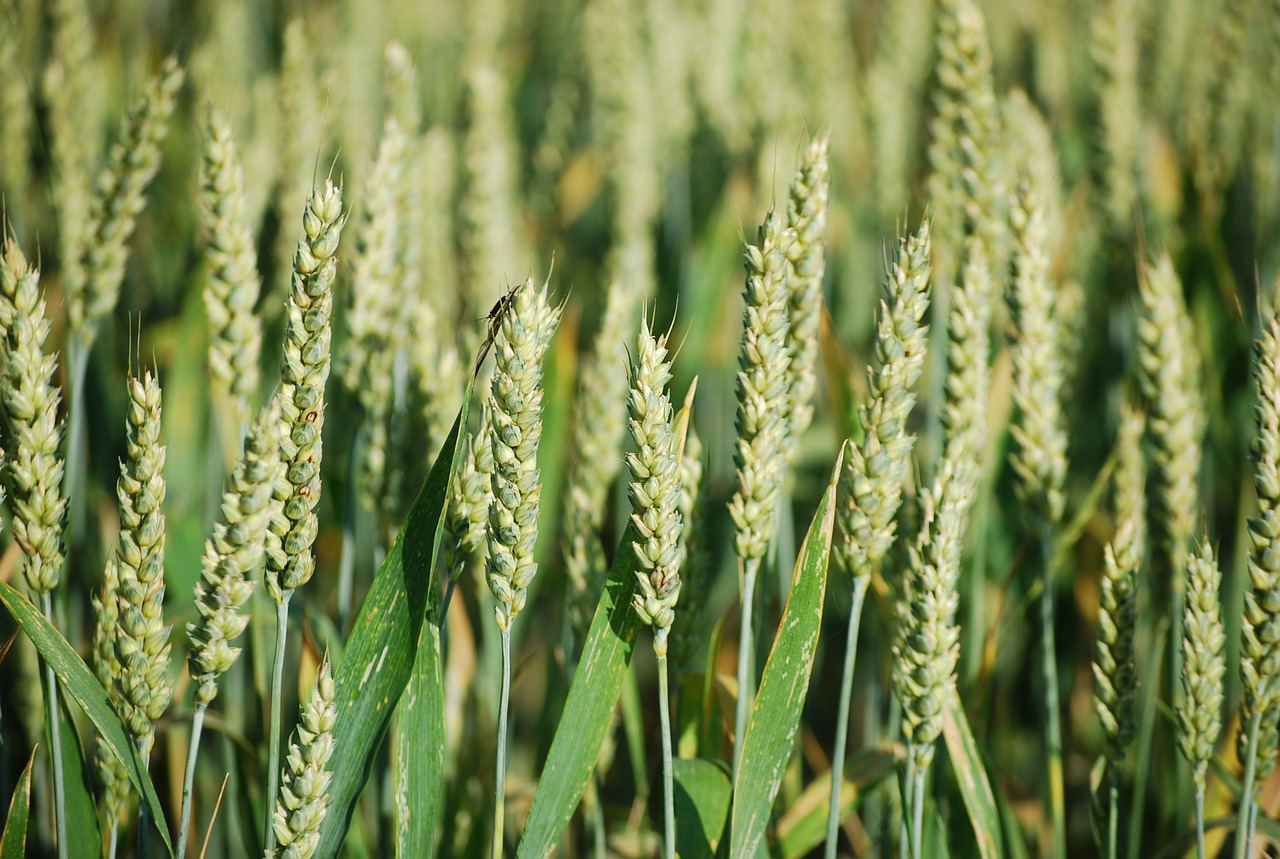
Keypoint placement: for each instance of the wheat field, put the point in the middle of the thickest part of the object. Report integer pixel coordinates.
(629, 428)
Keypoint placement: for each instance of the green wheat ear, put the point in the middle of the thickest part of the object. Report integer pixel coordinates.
(516, 414)
(763, 386)
(655, 488)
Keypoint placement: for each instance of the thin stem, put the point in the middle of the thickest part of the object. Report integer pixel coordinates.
(745, 683)
(500, 779)
(1199, 801)
(917, 807)
(597, 818)
(55, 740)
(668, 798)
(904, 826)
(842, 713)
(1244, 820)
(1113, 825)
(144, 818)
(193, 749)
(77, 453)
(1181, 768)
(449, 588)
(1146, 737)
(277, 717)
(1053, 724)
(113, 840)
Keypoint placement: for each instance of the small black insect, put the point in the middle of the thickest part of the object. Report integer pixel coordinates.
(495, 316)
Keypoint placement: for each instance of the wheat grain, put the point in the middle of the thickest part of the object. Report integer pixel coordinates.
(806, 264)
(763, 364)
(118, 200)
(142, 642)
(515, 483)
(290, 562)
(233, 286)
(304, 800)
(655, 488)
(871, 483)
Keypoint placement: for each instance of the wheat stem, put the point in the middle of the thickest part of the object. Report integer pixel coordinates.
(500, 771)
(745, 674)
(668, 786)
(842, 726)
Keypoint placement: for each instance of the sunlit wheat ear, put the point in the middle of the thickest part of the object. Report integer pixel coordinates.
(119, 199)
(301, 110)
(233, 285)
(1169, 369)
(488, 226)
(468, 510)
(232, 556)
(1203, 666)
(871, 483)
(142, 644)
(308, 332)
(375, 305)
(655, 488)
(928, 639)
(806, 264)
(527, 329)
(1259, 645)
(68, 87)
(687, 631)
(304, 799)
(968, 383)
(434, 381)
(1113, 668)
(107, 668)
(1040, 459)
(1115, 48)
(967, 185)
(763, 367)
(33, 467)
(599, 425)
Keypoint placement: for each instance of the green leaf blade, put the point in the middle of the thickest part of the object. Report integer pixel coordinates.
(13, 843)
(588, 710)
(702, 793)
(379, 659)
(420, 741)
(971, 775)
(775, 719)
(75, 678)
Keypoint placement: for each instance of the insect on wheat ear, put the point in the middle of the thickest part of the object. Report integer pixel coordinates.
(495, 316)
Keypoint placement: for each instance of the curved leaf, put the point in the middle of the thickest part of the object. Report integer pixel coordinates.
(75, 678)
(971, 775)
(588, 709)
(775, 718)
(13, 843)
(419, 751)
(386, 644)
(702, 792)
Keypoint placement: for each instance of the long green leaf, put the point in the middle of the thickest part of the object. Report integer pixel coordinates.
(975, 790)
(380, 655)
(588, 709)
(420, 741)
(702, 792)
(75, 678)
(771, 732)
(13, 843)
(82, 807)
